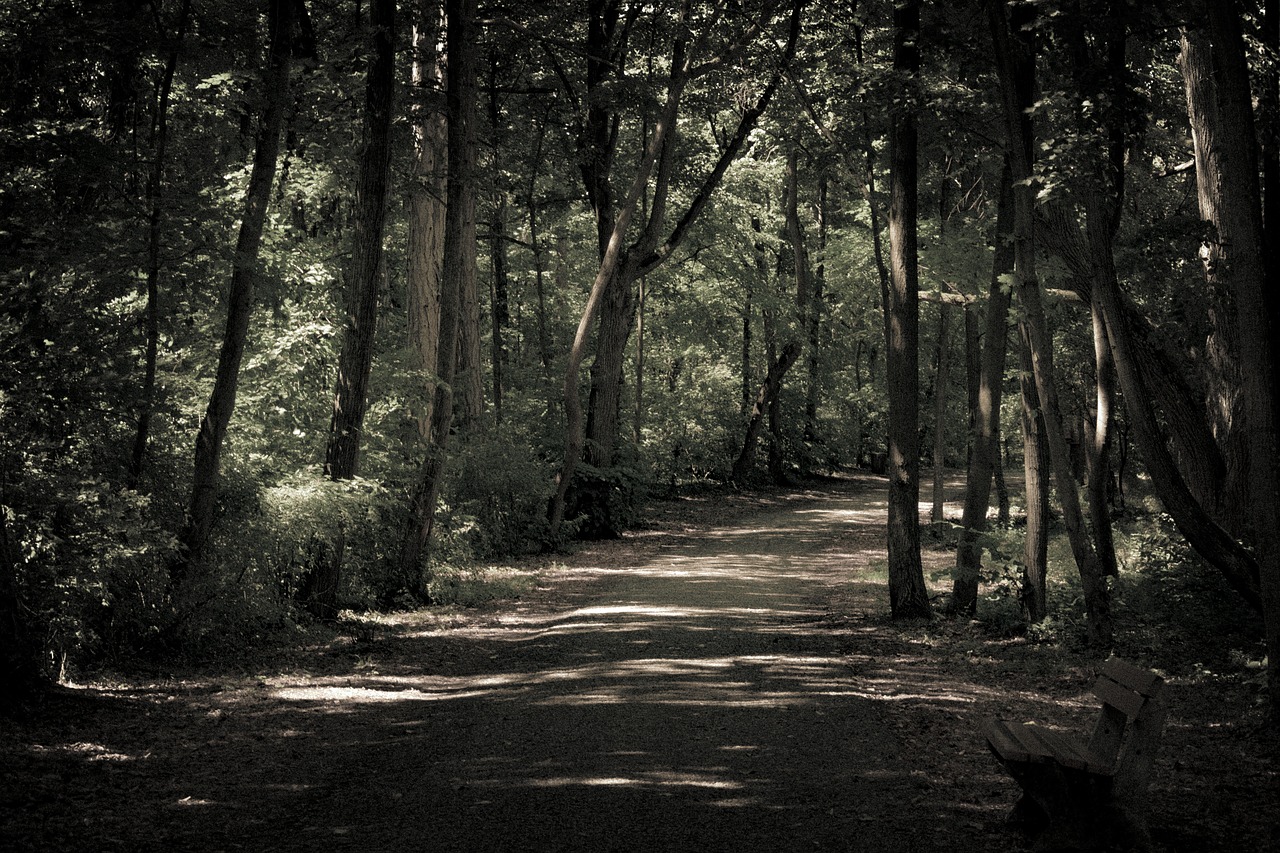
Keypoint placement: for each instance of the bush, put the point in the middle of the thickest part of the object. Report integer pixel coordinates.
(496, 494)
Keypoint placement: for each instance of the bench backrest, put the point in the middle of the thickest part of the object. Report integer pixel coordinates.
(1129, 726)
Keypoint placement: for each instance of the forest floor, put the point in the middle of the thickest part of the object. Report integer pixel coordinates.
(723, 679)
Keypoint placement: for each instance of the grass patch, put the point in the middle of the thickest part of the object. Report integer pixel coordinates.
(475, 585)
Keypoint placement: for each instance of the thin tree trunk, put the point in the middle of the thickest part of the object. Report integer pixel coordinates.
(500, 301)
(1035, 465)
(426, 204)
(640, 354)
(365, 273)
(767, 400)
(155, 225)
(941, 371)
(1099, 447)
(459, 266)
(814, 390)
(908, 596)
(1015, 54)
(539, 266)
(222, 400)
(984, 459)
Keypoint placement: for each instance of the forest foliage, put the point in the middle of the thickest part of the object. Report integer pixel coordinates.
(682, 219)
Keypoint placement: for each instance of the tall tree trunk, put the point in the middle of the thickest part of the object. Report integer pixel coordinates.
(611, 299)
(1215, 146)
(365, 272)
(458, 268)
(638, 425)
(155, 225)
(814, 390)
(908, 596)
(767, 400)
(222, 400)
(941, 371)
(1099, 446)
(1035, 465)
(500, 301)
(1227, 160)
(426, 193)
(984, 457)
(1015, 53)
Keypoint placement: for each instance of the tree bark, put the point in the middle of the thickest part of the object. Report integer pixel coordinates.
(908, 596)
(1222, 257)
(459, 266)
(499, 299)
(365, 272)
(1227, 159)
(1035, 466)
(1015, 54)
(941, 375)
(984, 456)
(1098, 456)
(222, 400)
(427, 192)
(813, 396)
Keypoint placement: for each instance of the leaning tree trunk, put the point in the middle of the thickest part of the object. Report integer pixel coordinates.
(364, 274)
(1015, 54)
(984, 456)
(767, 400)
(459, 266)
(222, 401)
(908, 595)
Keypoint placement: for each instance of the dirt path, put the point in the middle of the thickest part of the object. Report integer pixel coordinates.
(697, 687)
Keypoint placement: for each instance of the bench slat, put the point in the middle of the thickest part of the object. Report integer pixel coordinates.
(1003, 743)
(1118, 696)
(1142, 681)
(1035, 747)
(1072, 753)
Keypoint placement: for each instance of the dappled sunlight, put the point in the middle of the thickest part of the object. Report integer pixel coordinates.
(656, 779)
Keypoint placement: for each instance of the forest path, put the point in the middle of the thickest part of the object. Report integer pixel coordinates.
(687, 689)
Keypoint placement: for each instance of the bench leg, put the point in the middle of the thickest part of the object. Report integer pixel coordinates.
(1065, 809)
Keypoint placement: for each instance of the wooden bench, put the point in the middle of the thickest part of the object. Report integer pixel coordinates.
(1088, 794)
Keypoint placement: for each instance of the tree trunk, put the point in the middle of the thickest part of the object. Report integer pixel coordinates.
(365, 273)
(1035, 465)
(222, 400)
(767, 400)
(941, 370)
(1099, 447)
(814, 390)
(459, 266)
(1015, 54)
(1223, 258)
(611, 299)
(908, 596)
(985, 453)
(155, 223)
(426, 193)
(1227, 158)
(769, 391)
